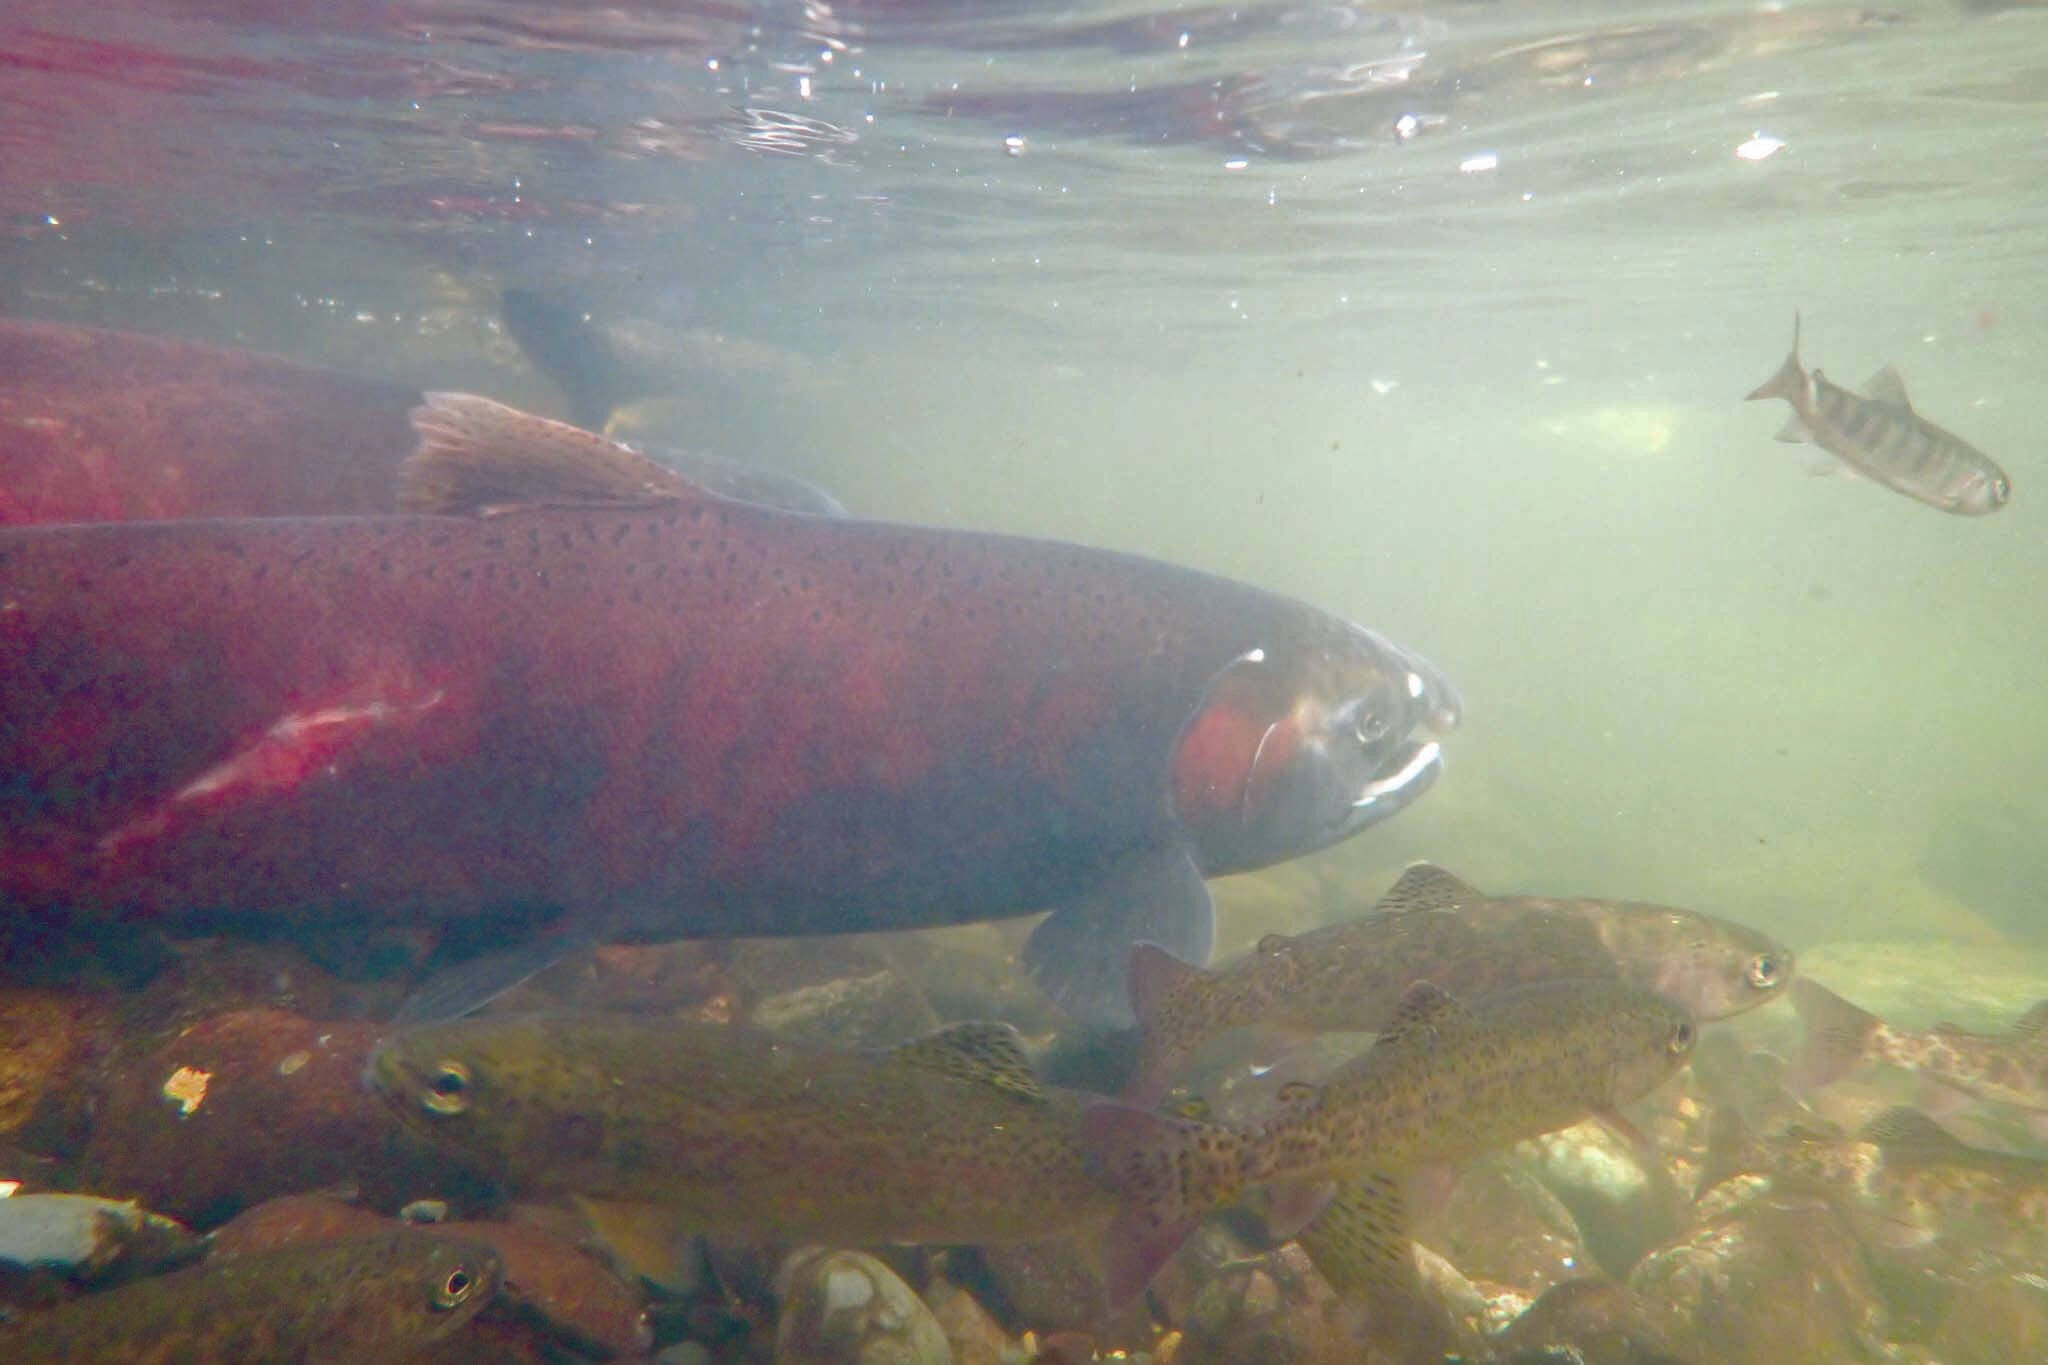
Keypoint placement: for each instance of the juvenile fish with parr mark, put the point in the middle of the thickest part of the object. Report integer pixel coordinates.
(1879, 435)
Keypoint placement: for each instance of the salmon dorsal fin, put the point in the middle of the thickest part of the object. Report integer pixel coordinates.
(983, 1052)
(1425, 1011)
(1887, 387)
(1425, 886)
(477, 457)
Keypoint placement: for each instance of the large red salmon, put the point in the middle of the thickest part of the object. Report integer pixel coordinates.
(686, 716)
(99, 425)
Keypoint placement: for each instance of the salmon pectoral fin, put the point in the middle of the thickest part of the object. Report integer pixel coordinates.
(461, 990)
(1079, 954)
(477, 457)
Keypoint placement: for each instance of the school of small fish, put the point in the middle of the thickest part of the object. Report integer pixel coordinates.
(400, 1074)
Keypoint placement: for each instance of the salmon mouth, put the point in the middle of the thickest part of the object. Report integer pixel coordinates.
(1399, 783)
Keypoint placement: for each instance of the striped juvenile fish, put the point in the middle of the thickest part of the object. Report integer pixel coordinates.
(1442, 1084)
(1878, 434)
(1433, 927)
(2008, 1068)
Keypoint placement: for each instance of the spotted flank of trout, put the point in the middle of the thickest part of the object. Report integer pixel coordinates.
(374, 1298)
(2004, 1068)
(1879, 435)
(1906, 1181)
(1433, 927)
(1443, 1083)
(948, 1138)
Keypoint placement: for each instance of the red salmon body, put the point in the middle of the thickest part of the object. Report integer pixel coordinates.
(694, 718)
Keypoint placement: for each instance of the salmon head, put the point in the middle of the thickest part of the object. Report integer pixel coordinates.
(1297, 745)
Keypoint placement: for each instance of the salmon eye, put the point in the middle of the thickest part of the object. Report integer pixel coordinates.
(1368, 724)
(455, 1288)
(448, 1091)
(1682, 1035)
(1763, 971)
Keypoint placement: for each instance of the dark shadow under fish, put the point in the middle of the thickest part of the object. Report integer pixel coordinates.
(1879, 435)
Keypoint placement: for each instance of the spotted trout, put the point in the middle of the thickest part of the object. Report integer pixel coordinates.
(657, 713)
(1879, 435)
(1433, 927)
(370, 1299)
(1443, 1083)
(948, 1138)
(2008, 1068)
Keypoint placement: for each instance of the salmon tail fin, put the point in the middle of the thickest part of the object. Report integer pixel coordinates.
(1155, 977)
(477, 457)
(1838, 1036)
(1153, 1162)
(1789, 383)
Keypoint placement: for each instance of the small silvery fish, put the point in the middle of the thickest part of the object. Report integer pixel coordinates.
(2008, 1068)
(1878, 434)
(1433, 927)
(1443, 1083)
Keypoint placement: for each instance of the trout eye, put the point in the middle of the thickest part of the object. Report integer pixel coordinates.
(457, 1287)
(1764, 971)
(1682, 1035)
(448, 1091)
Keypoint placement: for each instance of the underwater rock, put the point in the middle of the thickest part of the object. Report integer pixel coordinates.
(1230, 1307)
(244, 1106)
(847, 1308)
(1622, 1207)
(1979, 986)
(86, 1238)
(1053, 1286)
(1995, 1319)
(1774, 1283)
(48, 1038)
(1592, 1322)
(974, 1336)
(874, 1009)
(1501, 1224)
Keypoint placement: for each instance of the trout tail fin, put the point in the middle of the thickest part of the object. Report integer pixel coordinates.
(1166, 1171)
(1838, 1036)
(1155, 977)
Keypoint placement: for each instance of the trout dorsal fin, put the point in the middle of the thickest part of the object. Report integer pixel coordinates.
(1905, 1132)
(1425, 886)
(984, 1052)
(477, 457)
(1886, 386)
(1425, 1011)
(2031, 1032)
